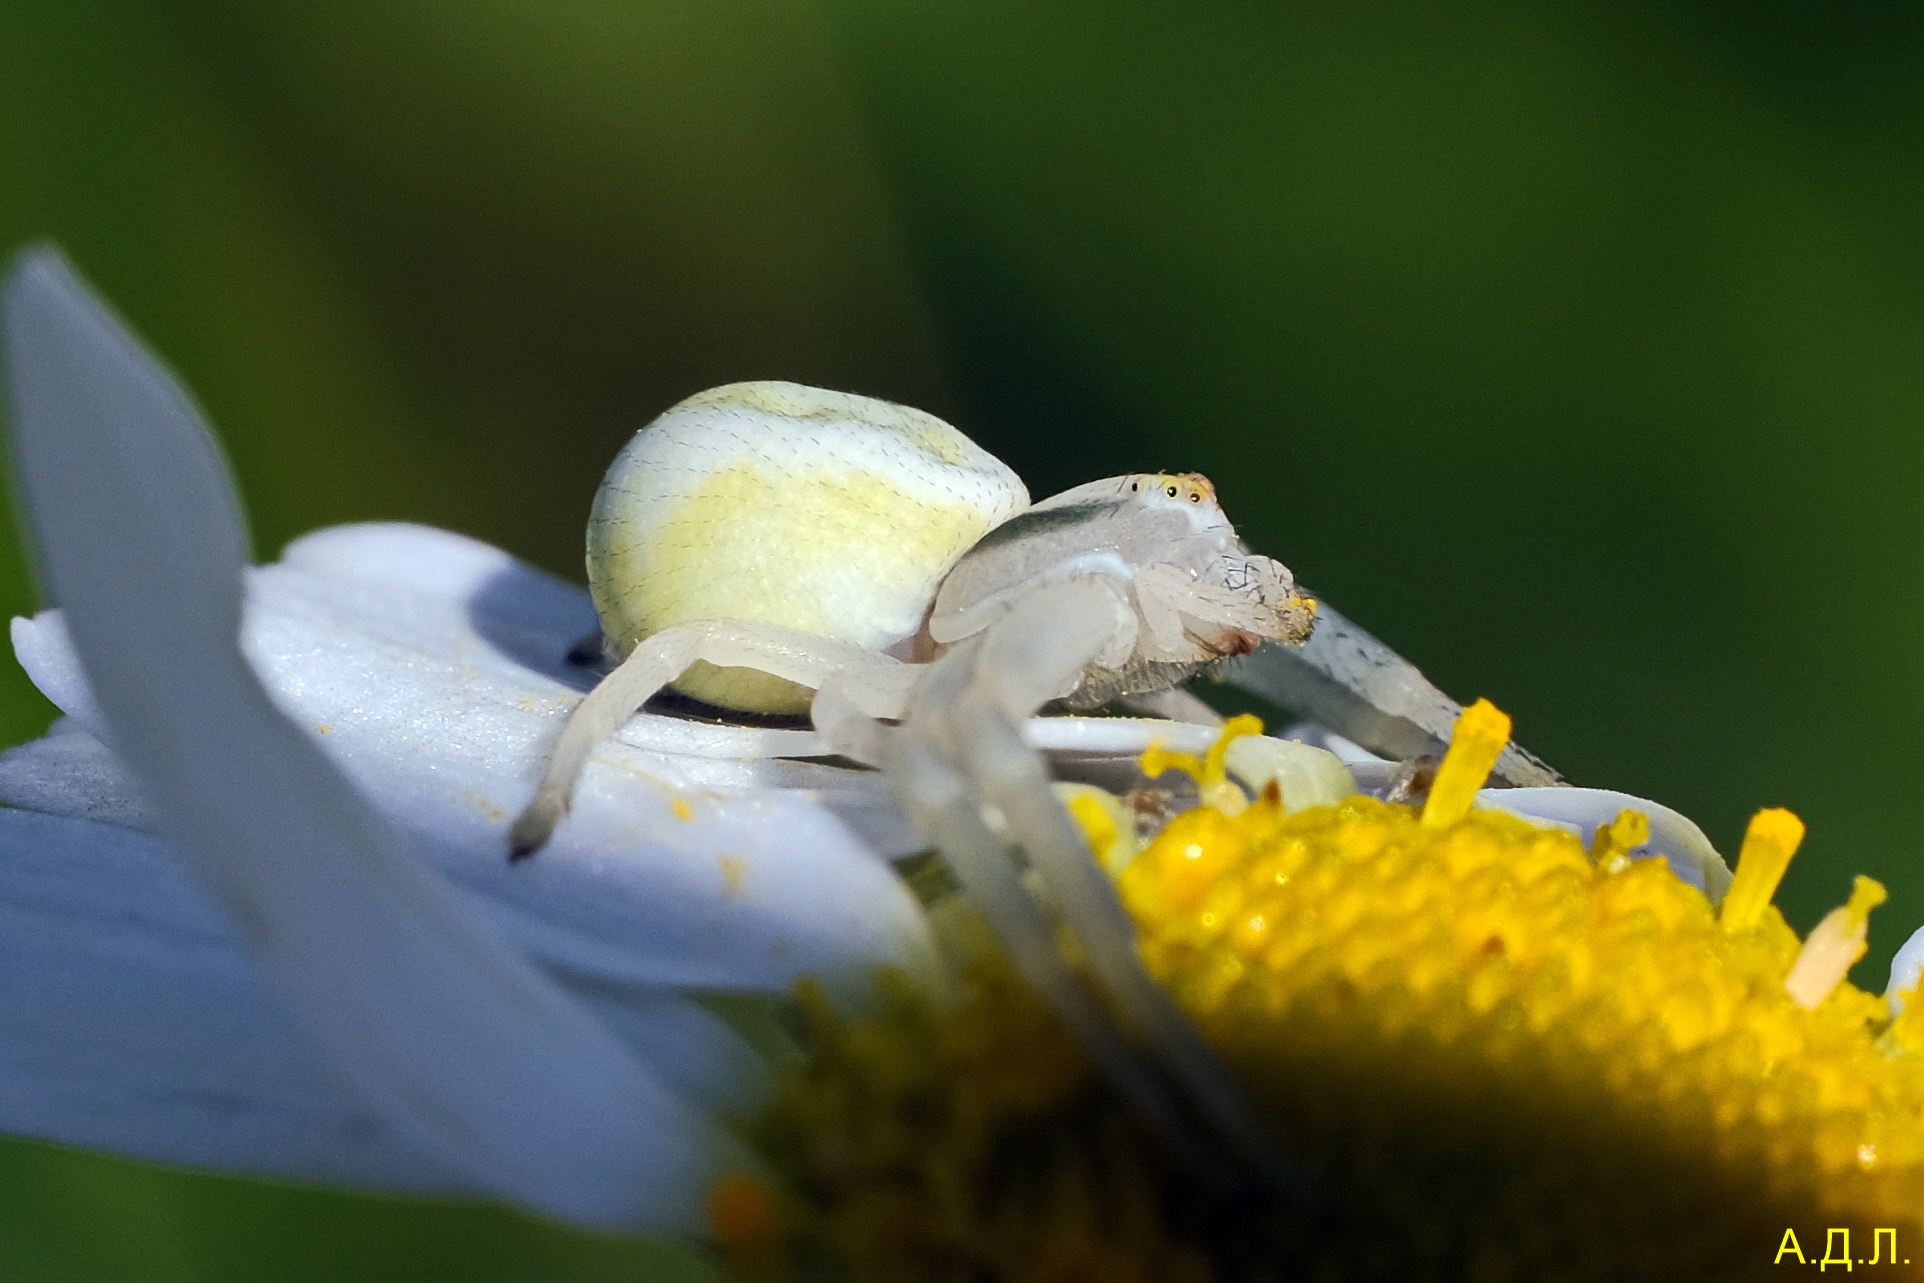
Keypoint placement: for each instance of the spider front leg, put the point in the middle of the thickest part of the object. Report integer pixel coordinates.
(1175, 704)
(938, 795)
(874, 683)
(1347, 681)
(984, 795)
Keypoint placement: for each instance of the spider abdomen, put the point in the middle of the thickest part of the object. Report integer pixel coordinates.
(777, 503)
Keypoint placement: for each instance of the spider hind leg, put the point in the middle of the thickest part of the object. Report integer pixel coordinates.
(804, 658)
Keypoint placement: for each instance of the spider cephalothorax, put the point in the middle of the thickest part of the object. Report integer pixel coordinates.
(1199, 596)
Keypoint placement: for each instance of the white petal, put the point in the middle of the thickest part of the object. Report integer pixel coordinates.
(427, 680)
(69, 773)
(1906, 967)
(1119, 736)
(446, 1032)
(1347, 751)
(432, 668)
(514, 623)
(1672, 835)
(131, 1020)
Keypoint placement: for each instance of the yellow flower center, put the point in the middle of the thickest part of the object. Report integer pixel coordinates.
(1500, 1054)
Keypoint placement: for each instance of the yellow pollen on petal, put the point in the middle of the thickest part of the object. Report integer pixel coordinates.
(1234, 729)
(1835, 946)
(1611, 847)
(1481, 732)
(1772, 838)
(1094, 820)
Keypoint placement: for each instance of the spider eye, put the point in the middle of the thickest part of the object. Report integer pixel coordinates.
(1196, 497)
(1134, 486)
(1171, 492)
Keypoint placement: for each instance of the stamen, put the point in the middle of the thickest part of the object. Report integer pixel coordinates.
(1835, 946)
(1209, 771)
(1772, 838)
(1611, 847)
(1156, 760)
(1481, 732)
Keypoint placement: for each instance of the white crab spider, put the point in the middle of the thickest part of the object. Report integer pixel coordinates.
(762, 541)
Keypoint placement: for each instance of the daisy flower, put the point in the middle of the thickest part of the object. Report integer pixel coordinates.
(258, 919)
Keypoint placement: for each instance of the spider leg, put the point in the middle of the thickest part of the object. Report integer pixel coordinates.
(1346, 680)
(846, 727)
(966, 769)
(803, 658)
(940, 802)
(1176, 704)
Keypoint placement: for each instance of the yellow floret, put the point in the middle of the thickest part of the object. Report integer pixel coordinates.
(1773, 837)
(1501, 1055)
(1210, 771)
(1481, 733)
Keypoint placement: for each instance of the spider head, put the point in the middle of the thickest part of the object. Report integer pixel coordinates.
(1188, 492)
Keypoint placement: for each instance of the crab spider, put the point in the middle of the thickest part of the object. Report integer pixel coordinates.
(774, 548)
(763, 541)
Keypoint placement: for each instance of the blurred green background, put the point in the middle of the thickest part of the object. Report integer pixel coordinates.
(1578, 351)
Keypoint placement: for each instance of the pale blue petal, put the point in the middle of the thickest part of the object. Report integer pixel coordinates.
(431, 669)
(132, 1021)
(1906, 967)
(446, 1033)
(1672, 835)
(68, 772)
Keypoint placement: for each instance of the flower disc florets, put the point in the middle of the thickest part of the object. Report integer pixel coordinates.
(1503, 1056)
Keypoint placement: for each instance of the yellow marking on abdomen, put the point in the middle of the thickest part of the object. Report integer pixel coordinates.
(774, 503)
